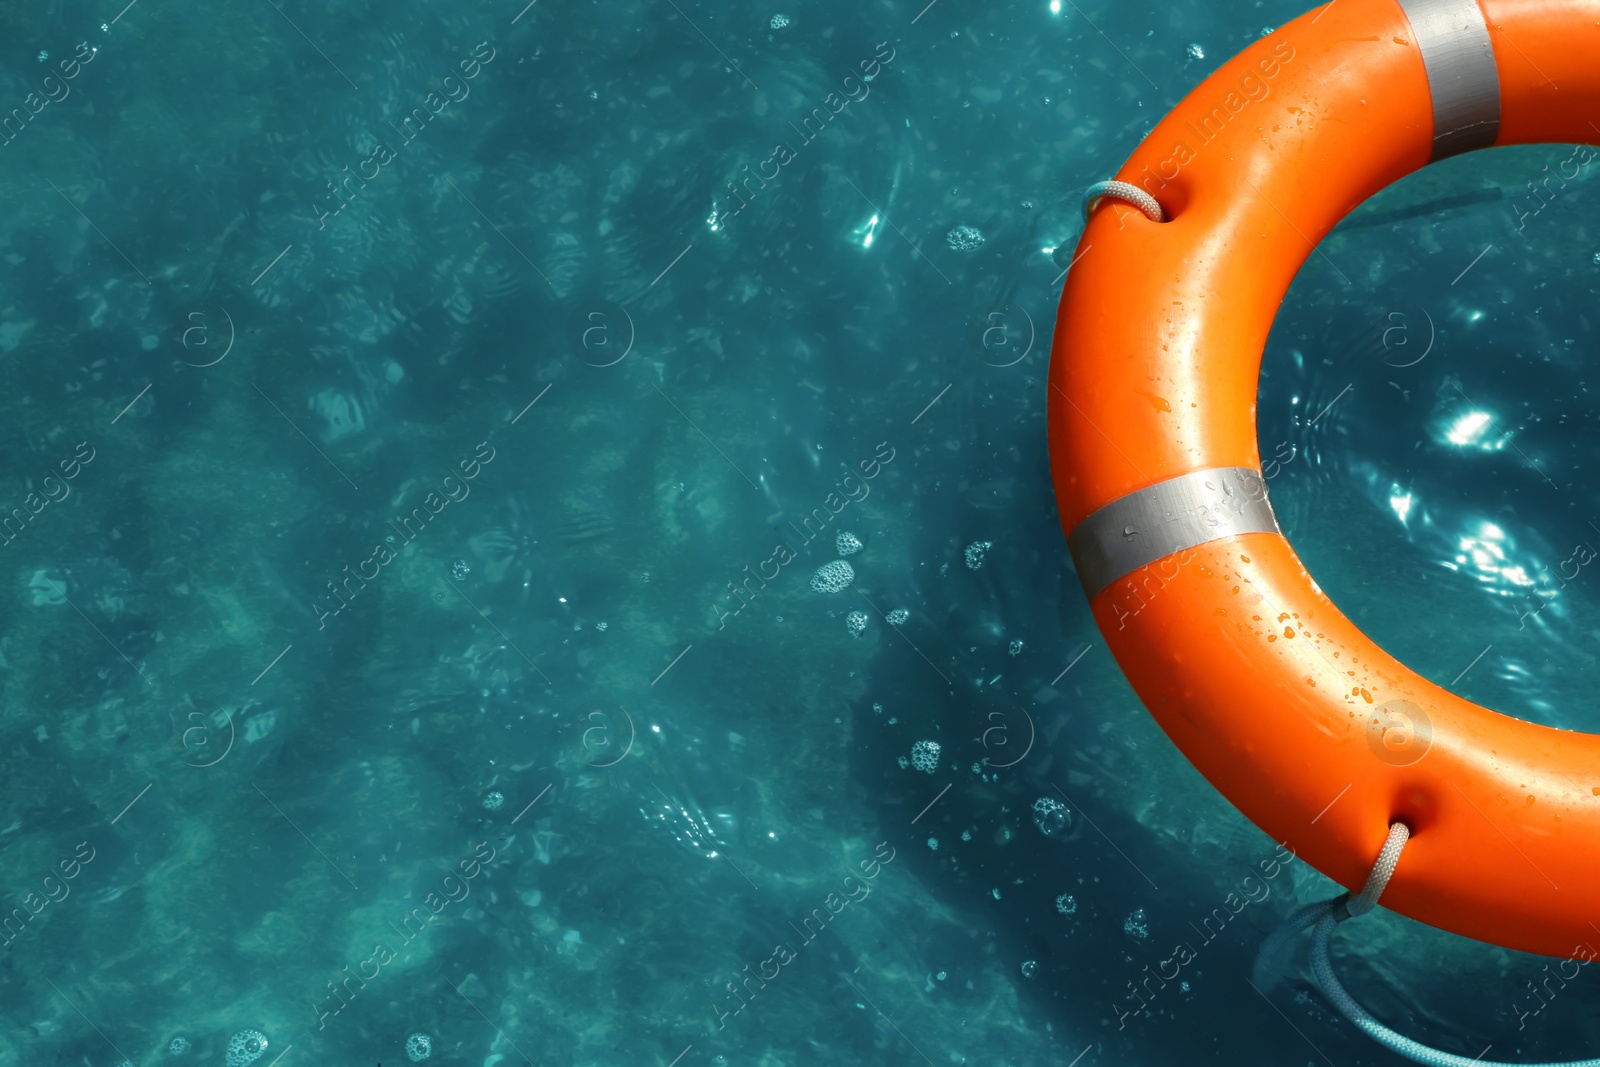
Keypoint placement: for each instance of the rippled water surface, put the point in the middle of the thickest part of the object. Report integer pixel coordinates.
(531, 527)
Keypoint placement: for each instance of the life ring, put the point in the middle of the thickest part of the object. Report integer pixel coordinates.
(1309, 728)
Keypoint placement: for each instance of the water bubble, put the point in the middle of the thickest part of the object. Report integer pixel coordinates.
(847, 543)
(246, 1047)
(1067, 904)
(179, 1046)
(1194, 51)
(975, 553)
(925, 756)
(1137, 925)
(419, 1047)
(459, 570)
(833, 577)
(494, 800)
(898, 616)
(964, 238)
(1030, 968)
(1051, 817)
(779, 22)
(1266, 31)
(856, 623)
(933, 844)
(1016, 648)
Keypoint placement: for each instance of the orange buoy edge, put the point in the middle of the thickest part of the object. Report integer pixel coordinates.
(1315, 733)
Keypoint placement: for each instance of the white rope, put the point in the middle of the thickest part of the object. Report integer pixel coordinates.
(1326, 915)
(1125, 191)
(1382, 871)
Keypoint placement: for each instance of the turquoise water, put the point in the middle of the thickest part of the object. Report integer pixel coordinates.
(425, 425)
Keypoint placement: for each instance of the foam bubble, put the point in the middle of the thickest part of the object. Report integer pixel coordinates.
(833, 577)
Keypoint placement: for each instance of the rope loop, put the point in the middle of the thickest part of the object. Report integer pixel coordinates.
(1124, 191)
(1324, 918)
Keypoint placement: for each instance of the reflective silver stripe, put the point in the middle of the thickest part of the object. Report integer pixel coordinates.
(1151, 524)
(1462, 77)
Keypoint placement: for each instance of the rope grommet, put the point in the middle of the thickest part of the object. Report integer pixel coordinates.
(1126, 192)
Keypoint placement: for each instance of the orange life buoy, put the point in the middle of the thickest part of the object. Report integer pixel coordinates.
(1315, 733)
